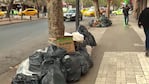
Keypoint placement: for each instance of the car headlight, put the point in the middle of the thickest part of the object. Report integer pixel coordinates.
(64, 15)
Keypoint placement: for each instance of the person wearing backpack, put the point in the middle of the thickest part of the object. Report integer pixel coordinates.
(126, 14)
(144, 21)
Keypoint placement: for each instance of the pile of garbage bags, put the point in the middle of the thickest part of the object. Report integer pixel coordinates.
(54, 65)
(103, 21)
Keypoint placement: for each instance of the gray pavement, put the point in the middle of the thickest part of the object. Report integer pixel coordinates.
(123, 59)
(118, 57)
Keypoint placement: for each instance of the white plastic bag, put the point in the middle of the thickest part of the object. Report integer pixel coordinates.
(24, 68)
(77, 37)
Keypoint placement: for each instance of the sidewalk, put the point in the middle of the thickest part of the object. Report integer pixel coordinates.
(126, 66)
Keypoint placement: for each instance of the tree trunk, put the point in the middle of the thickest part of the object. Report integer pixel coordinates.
(97, 12)
(37, 8)
(141, 5)
(136, 8)
(108, 9)
(55, 19)
(9, 8)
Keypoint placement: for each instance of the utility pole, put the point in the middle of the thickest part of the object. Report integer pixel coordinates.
(77, 14)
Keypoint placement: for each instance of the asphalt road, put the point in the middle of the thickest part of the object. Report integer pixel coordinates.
(18, 41)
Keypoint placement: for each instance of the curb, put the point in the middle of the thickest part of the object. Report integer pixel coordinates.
(6, 22)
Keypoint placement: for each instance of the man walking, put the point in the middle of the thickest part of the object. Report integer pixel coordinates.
(144, 21)
(126, 14)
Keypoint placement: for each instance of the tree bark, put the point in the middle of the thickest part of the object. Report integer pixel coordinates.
(55, 19)
(108, 9)
(37, 4)
(9, 8)
(97, 11)
(141, 5)
(136, 8)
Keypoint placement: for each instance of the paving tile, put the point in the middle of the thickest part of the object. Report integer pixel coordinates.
(124, 68)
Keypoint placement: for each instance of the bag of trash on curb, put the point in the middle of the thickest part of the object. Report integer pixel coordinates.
(35, 61)
(105, 22)
(75, 65)
(72, 65)
(55, 52)
(24, 68)
(88, 37)
(91, 23)
(86, 53)
(87, 57)
(78, 37)
(51, 72)
(23, 79)
(90, 40)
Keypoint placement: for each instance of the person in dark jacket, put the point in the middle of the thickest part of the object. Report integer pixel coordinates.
(144, 21)
(126, 14)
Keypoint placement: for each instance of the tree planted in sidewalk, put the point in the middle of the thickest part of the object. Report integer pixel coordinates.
(9, 8)
(55, 19)
(97, 11)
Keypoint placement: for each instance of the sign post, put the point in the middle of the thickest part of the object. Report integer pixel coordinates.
(77, 14)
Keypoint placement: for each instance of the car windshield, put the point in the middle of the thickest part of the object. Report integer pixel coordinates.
(71, 11)
(91, 9)
(30, 10)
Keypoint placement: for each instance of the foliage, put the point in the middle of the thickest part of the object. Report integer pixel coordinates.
(116, 2)
(72, 2)
(87, 3)
(102, 2)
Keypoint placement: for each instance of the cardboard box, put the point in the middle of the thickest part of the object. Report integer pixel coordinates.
(66, 42)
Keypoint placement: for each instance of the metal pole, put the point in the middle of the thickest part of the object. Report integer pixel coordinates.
(77, 14)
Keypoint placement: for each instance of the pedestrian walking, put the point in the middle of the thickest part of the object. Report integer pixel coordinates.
(44, 10)
(144, 21)
(126, 14)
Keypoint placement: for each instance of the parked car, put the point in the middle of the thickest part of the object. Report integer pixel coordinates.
(28, 12)
(118, 12)
(2, 13)
(71, 15)
(84, 10)
(90, 12)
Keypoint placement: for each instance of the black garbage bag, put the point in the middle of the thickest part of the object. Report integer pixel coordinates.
(35, 62)
(55, 52)
(23, 79)
(75, 65)
(88, 58)
(83, 30)
(51, 73)
(83, 51)
(79, 46)
(91, 23)
(105, 22)
(89, 38)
